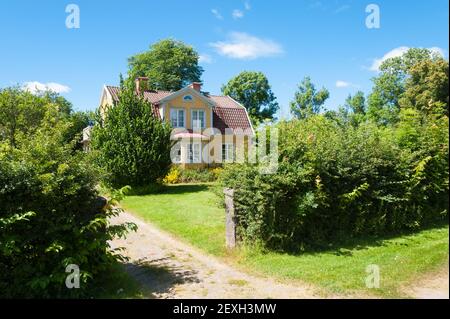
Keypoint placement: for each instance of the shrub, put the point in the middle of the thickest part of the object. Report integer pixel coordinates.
(335, 182)
(173, 177)
(51, 217)
(178, 175)
(132, 145)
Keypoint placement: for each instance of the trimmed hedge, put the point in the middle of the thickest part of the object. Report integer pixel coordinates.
(336, 182)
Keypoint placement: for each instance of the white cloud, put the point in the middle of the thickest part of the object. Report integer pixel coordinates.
(205, 58)
(396, 53)
(35, 87)
(237, 14)
(217, 14)
(245, 46)
(345, 84)
(247, 5)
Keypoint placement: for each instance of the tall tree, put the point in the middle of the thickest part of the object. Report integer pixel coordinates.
(133, 146)
(169, 65)
(20, 113)
(427, 88)
(390, 84)
(253, 91)
(307, 100)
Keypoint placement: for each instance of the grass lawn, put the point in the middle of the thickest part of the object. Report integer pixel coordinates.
(190, 212)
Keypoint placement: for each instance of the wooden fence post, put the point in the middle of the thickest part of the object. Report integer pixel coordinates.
(230, 231)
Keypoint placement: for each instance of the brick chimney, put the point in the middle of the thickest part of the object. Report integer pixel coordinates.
(141, 84)
(196, 86)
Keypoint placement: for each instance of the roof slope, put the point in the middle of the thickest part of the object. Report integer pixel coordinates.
(227, 113)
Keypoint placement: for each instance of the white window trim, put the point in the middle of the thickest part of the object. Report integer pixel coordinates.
(192, 118)
(177, 109)
(195, 160)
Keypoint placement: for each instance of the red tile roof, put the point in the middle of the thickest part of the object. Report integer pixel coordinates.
(227, 113)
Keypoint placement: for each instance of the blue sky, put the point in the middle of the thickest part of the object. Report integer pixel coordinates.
(287, 40)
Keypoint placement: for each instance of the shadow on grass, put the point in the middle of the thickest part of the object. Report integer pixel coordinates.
(184, 188)
(347, 246)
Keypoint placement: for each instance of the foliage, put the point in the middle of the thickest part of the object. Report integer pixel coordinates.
(339, 181)
(22, 113)
(427, 87)
(130, 144)
(51, 217)
(173, 177)
(253, 91)
(308, 101)
(390, 85)
(169, 64)
(179, 175)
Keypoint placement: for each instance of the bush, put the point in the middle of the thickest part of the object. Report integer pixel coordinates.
(131, 144)
(178, 175)
(51, 217)
(335, 182)
(173, 177)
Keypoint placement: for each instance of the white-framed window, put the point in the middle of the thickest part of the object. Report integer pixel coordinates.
(198, 119)
(177, 117)
(228, 152)
(176, 153)
(188, 98)
(194, 153)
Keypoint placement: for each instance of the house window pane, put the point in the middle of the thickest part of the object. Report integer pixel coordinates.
(180, 118)
(194, 153)
(197, 153)
(177, 117)
(198, 119)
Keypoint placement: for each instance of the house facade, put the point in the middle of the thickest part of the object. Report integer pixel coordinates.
(207, 129)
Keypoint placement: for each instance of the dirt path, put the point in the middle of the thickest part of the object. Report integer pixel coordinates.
(432, 286)
(168, 268)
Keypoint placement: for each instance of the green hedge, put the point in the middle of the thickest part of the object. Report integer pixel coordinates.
(336, 182)
(51, 217)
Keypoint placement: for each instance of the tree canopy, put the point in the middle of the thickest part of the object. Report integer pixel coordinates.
(169, 64)
(392, 81)
(131, 145)
(307, 100)
(253, 91)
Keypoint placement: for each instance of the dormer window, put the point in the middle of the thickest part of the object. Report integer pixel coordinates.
(188, 98)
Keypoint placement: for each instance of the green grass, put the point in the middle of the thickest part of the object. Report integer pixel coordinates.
(190, 212)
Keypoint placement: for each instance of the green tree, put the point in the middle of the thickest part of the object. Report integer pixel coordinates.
(253, 91)
(20, 113)
(308, 100)
(169, 64)
(131, 145)
(390, 84)
(426, 88)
